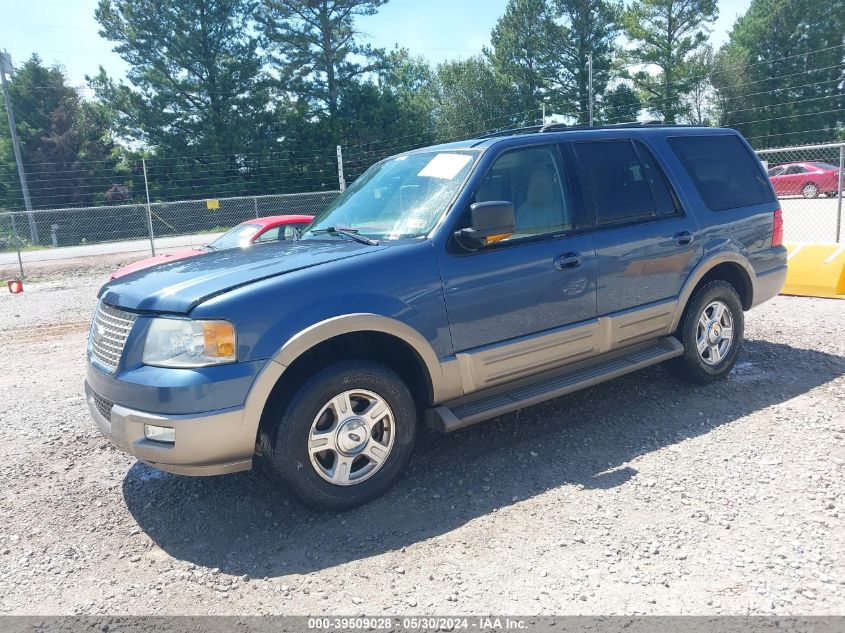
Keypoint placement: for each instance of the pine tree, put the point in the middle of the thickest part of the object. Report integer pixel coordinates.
(779, 79)
(589, 27)
(197, 88)
(665, 34)
(523, 41)
(315, 46)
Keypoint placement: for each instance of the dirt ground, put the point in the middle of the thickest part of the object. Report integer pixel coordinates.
(642, 496)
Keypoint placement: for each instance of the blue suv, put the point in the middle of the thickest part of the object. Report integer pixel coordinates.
(447, 285)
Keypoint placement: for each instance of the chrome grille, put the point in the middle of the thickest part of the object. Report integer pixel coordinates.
(103, 406)
(109, 330)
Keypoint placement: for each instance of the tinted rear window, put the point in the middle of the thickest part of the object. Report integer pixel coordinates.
(624, 180)
(726, 174)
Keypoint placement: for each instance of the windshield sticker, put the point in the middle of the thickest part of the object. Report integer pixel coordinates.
(445, 166)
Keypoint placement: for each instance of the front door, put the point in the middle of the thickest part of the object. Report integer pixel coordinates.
(541, 278)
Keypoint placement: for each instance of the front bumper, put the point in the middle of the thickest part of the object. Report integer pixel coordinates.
(210, 443)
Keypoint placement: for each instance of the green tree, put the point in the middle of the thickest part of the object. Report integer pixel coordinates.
(699, 108)
(405, 74)
(620, 104)
(522, 42)
(197, 89)
(66, 145)
(589, 26)
(472, 98)
(315, 47)
(665, 34)
(779, 78)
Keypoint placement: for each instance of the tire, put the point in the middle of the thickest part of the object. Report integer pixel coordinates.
(360, 419)
(703, 366)
(810, 190)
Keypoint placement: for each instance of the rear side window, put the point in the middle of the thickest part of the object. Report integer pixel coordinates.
(725, 173)
(624, 180)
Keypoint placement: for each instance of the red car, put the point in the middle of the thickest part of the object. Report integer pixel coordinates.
(805, 179)
(272, 228)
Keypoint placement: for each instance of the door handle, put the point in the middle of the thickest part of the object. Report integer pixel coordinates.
(682, 238)
(568, 260)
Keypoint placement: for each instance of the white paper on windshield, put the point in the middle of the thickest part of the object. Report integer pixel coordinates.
(445, 166)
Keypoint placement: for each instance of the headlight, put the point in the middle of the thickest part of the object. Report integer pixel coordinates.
(189, 343)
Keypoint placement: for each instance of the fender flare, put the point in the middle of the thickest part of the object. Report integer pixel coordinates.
(705, 266)
(444, 376)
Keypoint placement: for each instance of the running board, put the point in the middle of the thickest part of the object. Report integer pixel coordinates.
(498, 401)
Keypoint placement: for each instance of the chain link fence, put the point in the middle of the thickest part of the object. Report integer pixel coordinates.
(808, 181)
(135, 228)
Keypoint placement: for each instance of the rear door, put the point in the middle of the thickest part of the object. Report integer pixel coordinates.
(646, 245)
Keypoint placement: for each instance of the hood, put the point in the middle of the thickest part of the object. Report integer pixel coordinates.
(181, 285)
(152, 261)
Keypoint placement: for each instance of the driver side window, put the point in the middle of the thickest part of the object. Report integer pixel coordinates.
(270, 235)
(532, 181)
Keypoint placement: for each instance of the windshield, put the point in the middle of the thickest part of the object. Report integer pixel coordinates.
(241, 235)
(399, 197)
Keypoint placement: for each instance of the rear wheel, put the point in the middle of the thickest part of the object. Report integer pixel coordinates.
(711, 332)
(344, 438)
(810, 190)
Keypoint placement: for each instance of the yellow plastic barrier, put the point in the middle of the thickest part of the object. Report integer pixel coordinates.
(816, 270)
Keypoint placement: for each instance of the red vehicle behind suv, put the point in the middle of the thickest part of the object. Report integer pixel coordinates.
(271, 228)
(805, 179)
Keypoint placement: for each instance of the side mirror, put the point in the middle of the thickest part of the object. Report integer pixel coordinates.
(490, 222)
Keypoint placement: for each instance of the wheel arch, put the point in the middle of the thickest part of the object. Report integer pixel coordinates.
(362, 336)
(730, 267)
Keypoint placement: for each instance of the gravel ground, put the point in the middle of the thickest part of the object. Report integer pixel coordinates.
(644, 495)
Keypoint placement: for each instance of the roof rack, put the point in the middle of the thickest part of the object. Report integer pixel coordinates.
(527, 129)
(560, 127)
(564, 127)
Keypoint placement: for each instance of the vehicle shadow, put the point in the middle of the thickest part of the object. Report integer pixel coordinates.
(242, 525)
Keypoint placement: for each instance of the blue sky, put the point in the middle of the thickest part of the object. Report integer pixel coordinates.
(65, 32)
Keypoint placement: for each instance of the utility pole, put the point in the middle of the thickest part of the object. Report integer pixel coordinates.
(6, 66)
(590, 83)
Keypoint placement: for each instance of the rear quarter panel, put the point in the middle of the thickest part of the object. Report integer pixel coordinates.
(746, 231)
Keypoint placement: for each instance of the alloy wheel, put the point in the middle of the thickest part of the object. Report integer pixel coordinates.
(714, 334)
(351, 437)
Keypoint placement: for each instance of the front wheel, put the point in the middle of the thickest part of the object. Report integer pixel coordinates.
(345, 436)
(711, 332)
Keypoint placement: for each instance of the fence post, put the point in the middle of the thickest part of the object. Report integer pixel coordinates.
(17, 243)
(839, 194)
(255, 205)
(149, 211)
(341, 180)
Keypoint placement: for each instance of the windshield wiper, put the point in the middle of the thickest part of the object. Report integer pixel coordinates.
(346, 232)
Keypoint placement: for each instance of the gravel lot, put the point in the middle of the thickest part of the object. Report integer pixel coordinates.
(644, 495)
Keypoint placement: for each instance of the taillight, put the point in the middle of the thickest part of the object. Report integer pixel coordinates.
(777, 229)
